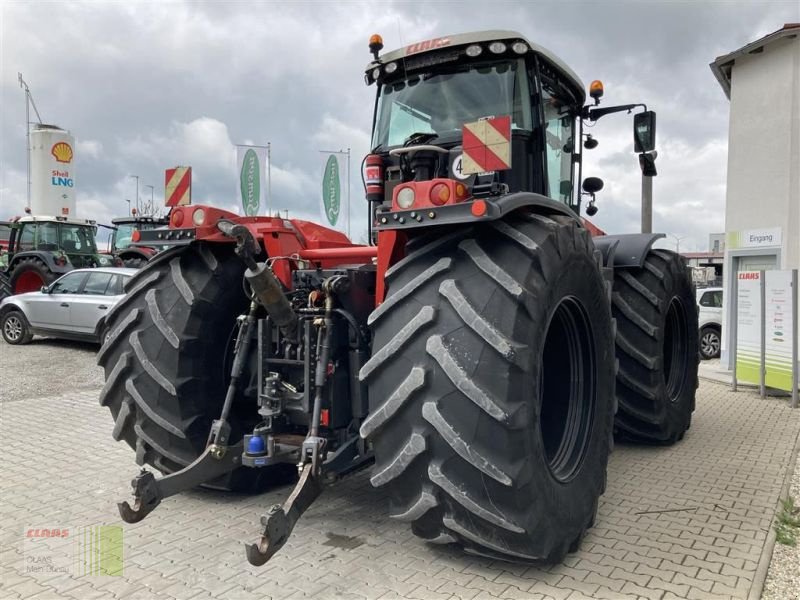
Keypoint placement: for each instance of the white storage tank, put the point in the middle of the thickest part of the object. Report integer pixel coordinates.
(52, 171)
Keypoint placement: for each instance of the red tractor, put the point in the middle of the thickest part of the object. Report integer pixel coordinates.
(483, 352)
(133, 255)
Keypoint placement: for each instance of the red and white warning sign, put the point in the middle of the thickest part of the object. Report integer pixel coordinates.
(178, 186)
(487, 145)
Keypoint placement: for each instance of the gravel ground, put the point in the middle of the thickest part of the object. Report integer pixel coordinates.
(783, 578)
(45, 367)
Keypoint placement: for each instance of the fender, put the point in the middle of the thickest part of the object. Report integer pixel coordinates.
(46, 257)
(392, 235)
(497, 207)
(626, 250)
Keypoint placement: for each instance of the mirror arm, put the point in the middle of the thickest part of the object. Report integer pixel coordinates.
(594, 114)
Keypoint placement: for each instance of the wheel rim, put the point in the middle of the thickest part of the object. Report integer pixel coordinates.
(30, 281)
(674, 351)
(709, 343)
(568, 388)
(13, 328)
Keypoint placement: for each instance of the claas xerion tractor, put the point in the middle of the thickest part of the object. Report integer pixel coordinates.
(483, 351)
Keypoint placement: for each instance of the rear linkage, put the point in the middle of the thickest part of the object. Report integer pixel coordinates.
(219, 457)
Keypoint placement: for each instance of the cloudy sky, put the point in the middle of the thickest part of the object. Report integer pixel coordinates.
(148, 85)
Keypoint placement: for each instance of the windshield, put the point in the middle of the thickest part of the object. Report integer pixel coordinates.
(441, 103)
(78, 239)
(123, 235)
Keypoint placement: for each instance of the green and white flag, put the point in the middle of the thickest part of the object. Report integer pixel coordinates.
(251, 189)
(331, 198)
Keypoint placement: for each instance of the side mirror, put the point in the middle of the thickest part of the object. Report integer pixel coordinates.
(592, 185)
(45, 289)
(644, 131)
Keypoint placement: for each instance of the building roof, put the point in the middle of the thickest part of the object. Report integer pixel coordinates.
(723, 65)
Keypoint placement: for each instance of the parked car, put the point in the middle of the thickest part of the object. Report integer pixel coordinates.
(73, 307)
(709, 302)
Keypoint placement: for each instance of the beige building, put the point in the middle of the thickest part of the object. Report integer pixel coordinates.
(762, 209)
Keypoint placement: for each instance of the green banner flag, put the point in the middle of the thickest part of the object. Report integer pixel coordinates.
(331, 190)
(250, 182)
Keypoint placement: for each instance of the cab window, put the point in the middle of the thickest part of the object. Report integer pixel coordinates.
(559, 126)
(27, 237)
(97, 283)
(68, 284)
(47, 238)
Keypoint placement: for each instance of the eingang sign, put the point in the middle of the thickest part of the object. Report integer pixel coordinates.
(753, 238)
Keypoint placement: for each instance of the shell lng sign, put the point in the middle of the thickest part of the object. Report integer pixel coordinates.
(52, 171)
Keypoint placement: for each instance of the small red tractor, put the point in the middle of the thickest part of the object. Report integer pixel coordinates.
(133, 255)
(483, 351)
(42, 248)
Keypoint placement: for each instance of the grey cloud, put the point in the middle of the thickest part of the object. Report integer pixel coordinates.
(145, 86)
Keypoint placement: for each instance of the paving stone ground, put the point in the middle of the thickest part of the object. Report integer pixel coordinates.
(688, 521)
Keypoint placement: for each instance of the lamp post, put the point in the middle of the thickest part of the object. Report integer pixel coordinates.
(678, 239)
(152, 204)
(129, 206)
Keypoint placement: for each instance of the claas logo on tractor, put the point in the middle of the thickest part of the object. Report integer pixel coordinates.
(471, 353)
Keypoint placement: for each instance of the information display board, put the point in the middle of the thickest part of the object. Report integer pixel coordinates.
(748, 329)
(778, 328)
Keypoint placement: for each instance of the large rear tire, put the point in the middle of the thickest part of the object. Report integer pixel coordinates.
(29, 275)
(164, 358)
(491, 387)
(5, 286)
(657, 349)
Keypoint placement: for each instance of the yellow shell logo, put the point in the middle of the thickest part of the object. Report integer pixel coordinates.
(62, 152)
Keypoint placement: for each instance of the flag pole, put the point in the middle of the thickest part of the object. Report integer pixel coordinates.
(348, 192)
(269, 179)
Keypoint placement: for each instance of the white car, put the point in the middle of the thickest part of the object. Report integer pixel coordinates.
(73, 307)
(709, 313)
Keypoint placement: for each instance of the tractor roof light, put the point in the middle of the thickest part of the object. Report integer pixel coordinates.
(519, 47)
(375, 44)
(199, 217)
(406, 197)
(390, 68)
(497, 47)
(376, 72)
(596, 90)
(474, 51)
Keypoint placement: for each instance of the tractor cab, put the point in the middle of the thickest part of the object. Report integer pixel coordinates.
(487, 108)
(123, 246)
(41, 248)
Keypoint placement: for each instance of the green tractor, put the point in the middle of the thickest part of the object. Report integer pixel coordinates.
(41, 249)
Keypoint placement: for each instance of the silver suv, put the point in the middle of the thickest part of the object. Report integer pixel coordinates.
(709, 303)
(73, 307)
